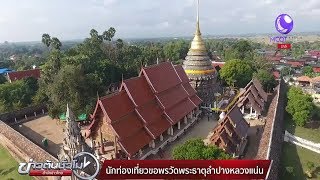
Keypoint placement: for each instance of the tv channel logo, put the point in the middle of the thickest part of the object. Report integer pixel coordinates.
(284, 25)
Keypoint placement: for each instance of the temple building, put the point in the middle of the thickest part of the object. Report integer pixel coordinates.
(252, 100)
(231, 133)
(199, 69)
(146, 113)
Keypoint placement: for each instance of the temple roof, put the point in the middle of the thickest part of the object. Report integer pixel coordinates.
(197, 63)
(230, 131)
(148, 105)
(255, 95)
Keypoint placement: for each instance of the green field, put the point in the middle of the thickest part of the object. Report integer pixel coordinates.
(297, 157)
(305, 133)
(9, 167)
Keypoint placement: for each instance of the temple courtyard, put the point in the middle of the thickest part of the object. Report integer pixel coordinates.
(200, 129)
(44, 127)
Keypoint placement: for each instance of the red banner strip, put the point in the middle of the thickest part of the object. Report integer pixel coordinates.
(184, 169)
(50, 173)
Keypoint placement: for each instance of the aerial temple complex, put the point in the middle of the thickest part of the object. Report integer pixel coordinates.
(198, 66)
(232, 130)
(147, 112)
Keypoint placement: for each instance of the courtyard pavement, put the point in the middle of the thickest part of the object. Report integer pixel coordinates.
(43, 127)
(199, 130)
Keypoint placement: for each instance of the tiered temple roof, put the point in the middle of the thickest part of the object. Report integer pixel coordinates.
(197, 64)
(230, 131)
(255, 95)
(147, 105)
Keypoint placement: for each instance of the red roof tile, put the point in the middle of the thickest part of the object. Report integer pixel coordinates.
(295, 63)
(303, 79)
(218, 64)
(136, 142)
(180, 110)
(117, 105)
(183, 76)
(274, 58)
(196, 100)
(189, 89)
(162, 76)
(315, 53)
(18, 75)
(139, 90)
(172, 96)
(316, 69)
(127, 125)
(159, 126)
(276, 74)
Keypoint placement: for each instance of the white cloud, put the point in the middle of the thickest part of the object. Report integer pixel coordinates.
(73, 19)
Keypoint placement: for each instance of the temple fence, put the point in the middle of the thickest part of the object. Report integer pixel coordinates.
(25, 114)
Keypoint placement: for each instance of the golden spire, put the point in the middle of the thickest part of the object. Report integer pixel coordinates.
(198, 44)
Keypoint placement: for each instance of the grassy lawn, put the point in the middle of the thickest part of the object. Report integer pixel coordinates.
(306, 133)
(297, 157)
(9, 167)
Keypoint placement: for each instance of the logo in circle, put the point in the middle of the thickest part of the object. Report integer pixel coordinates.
(90, 164)
(284, 24)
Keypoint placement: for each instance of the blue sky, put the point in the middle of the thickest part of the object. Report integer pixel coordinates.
(27, 20)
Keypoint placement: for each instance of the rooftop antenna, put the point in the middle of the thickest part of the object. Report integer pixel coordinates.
(122, 77)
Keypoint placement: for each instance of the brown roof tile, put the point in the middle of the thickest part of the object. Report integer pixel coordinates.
(18, 75)
(236, 117)
(136, 142)
(196, 100)
(259, 87)
(117, 105)
(172, 96)
(183, 76)
(180, 110)
(162, 76)
(127, 125)
(139, 90)
(189, 89)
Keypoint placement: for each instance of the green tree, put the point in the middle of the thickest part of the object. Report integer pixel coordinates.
(236, 72)
(286, 71)
(46, 39)
(241, 49)
(266, 78)
(71, 86)
(17, 95)
(195, 149)
(308, 71)
(299, 106)
(2, 79)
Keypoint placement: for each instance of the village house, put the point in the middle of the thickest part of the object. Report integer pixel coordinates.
(18, 75)
(303, 81)
(148, 112)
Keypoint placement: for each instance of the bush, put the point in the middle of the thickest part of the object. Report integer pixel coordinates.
(299, 106)
(195, 149)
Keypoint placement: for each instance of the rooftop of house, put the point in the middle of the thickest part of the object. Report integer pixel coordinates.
(18, 75)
